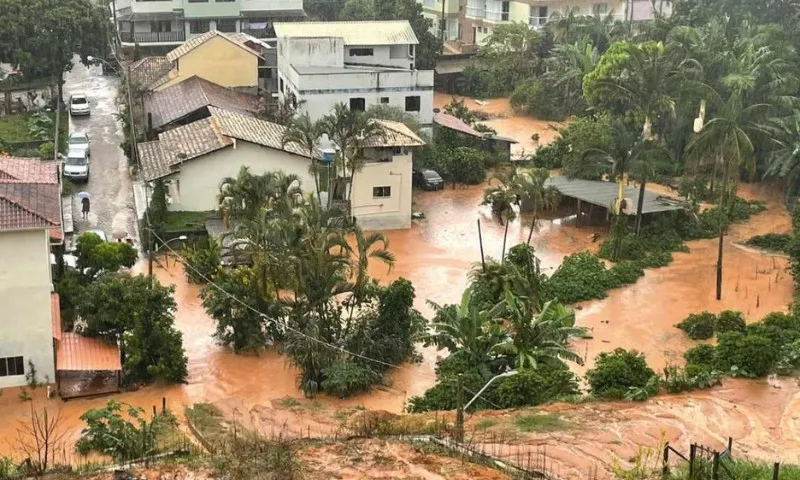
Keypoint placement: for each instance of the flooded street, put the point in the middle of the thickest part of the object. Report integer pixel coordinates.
(435, 255)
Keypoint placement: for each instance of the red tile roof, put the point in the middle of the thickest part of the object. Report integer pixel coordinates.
(30, 195)
(55, 309)
(78, 353)
(455, 123)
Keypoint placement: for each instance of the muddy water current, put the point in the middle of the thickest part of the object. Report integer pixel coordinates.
(436, 254)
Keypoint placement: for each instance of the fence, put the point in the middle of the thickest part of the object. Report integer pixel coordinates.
(705, 462)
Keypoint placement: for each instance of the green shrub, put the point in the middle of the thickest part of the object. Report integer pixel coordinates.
(530, 387)
(617, 372)
(788, 359)
(205, 256)
(678, 380)
(551, 155)
(47, 151)
(344, 379)
(779, 328)
(730, 321)
(698, 326)
(581, 276)
(537, 99)
(747, 355)
(700, 355)
(627, 272)
(778, 242)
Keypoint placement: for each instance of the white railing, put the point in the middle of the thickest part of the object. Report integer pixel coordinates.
(537, 22)
(497, 16)
(476, 11)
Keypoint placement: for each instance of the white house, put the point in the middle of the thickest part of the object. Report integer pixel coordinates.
(194, 158)
(30, 217)
(360, 64)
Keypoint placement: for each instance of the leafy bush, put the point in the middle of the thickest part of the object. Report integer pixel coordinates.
(581, 135)
(627, 272)
(205, 257)
(344, 379)
(778, 242)
(779, 328)
(788, 359)
(109, 432)
(47, 151)
(730, 321)
(551, 155)
(537, 99)
(748, 355)
(681, 380)
(698, 326)
(581, 276)
(700, 355)
(615, 373)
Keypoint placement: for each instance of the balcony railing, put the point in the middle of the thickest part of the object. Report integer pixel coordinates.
(495, 16)
(152, 37)
(476, 12)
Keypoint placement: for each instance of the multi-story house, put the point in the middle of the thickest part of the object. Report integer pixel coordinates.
(166, 23)
(360, 64)
(471, 21)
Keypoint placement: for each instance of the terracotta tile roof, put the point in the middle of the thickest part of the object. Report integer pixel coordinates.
(78, 353)
(173, 147)
(395, 134)
(195, 42)
(148, 71)
(55, 310)
(29, 195)
(192, 94)
(455, 123)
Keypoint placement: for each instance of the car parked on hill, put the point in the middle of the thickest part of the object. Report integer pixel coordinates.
(76, 164)
(80, 140)
(79, 105)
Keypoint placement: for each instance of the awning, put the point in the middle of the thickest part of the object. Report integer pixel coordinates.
(55, 312)
(78, 353)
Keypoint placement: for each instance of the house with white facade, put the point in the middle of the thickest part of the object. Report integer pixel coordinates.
(359, 64)
(155, 24)
(193, 159)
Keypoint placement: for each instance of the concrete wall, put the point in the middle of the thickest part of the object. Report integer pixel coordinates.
(219, 61)
(384, 213)
(198, 179)
(26, 318)
(305, 52)
(392, 56)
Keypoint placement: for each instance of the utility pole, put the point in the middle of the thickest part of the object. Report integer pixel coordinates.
(442, 22)
(460, 409)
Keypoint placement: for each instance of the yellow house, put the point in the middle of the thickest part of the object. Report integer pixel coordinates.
(215, 57)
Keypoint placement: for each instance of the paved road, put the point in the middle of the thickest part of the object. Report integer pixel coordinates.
(109, 177)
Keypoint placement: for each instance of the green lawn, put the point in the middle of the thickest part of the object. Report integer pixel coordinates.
(541, 423)
(14, 128)
(187, 222)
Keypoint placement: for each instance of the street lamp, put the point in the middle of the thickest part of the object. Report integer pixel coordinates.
(153, 251)
(505, 374)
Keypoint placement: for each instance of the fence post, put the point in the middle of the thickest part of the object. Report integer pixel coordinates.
(163, 405)
(460, 410)
(692, 455)
(730, 447)
(715, 467)
(776, 470)
(665, 465)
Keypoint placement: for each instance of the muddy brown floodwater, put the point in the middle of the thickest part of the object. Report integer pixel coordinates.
(435, 255)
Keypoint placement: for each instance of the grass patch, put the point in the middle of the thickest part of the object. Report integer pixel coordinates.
(208, 420)
(289, 402)
(14, 128)
(777, 242)
(540, 423)
(485, 424)
(187, 222)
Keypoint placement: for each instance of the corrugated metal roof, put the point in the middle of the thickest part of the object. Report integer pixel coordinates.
(392, 32)
(603, 194)
(77, 353)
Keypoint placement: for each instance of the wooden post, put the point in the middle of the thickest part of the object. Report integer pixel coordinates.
(665, 463)
(578, 220)
(480, 242)
(505, 236)
(776, 470)
(163, 405)
(715, 467)
(730, 447)
(692, 455)
(460, 409)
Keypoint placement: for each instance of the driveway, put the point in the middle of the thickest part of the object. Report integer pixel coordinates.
(109, 178)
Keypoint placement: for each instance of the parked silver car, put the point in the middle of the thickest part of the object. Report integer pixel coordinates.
(76, 165)
(80, 140)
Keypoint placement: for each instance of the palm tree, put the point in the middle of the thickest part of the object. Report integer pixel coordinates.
(567, 65)
(372, 246)
(535, 194)
(505, 195)
(538, 335)
(784, 160)
(467, 330)
(305, 133)
(563, 26)
(350, 130)
(727, 139)
(601, 30)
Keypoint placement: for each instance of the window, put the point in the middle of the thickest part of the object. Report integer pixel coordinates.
(397, 151)
(381, 192)
(412, 104)
(384, 100)
(600, 8)
(198, 26)
(226, 25)
(14, 365)
(358, 104)
(361, 52)
(411, 50)
(281, 82)
(160, 26)
(506, 6)
(538, 16)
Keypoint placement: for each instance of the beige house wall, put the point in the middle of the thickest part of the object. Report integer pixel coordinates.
(218, 61)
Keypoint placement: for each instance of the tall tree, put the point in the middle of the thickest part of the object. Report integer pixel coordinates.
(305, 133)
(784, 159)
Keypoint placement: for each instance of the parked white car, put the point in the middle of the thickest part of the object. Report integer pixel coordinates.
(76, 165)
(80, 140)
(79, 105)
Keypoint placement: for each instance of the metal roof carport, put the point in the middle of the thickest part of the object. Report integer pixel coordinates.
(603, 194)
